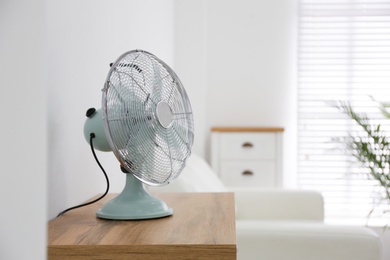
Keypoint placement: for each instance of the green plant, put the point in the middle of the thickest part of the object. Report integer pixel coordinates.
(372, 147)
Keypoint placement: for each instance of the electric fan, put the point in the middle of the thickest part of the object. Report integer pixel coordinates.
(146, 120)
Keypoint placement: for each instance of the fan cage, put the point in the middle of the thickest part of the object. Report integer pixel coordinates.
(136, 83)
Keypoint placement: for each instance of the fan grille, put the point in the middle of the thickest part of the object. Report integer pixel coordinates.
(155, 153)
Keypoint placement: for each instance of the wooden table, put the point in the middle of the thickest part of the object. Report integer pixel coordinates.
(202, 227)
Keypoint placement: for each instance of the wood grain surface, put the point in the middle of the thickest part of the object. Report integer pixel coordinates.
(201, 227)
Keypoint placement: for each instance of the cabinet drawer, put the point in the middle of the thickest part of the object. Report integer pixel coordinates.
(248, 174)
(247, 146)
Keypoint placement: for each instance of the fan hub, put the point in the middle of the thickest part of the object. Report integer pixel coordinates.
(164, 114)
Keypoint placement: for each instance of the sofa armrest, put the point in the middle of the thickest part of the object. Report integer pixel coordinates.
(278, 204)
(285, 240)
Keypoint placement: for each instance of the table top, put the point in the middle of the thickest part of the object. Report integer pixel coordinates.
(201, 223)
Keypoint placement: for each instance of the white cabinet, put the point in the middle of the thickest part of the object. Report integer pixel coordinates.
(247, 157)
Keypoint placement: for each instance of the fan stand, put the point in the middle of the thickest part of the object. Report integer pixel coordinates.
(134, 202)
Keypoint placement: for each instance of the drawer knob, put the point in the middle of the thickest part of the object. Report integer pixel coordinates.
(247, 173)
(247, 145)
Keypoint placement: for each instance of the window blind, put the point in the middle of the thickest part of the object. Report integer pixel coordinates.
(343, 54)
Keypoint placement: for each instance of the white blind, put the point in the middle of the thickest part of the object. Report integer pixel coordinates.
(344, 54)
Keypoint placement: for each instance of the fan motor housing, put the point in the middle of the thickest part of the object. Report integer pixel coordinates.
(94, 124)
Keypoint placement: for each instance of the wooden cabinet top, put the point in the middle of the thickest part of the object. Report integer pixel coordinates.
(246, 129)
(202, 227)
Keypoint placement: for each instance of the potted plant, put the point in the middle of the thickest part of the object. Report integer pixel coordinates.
(371, 147)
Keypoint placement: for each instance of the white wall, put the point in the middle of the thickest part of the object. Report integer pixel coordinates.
(237, 62)
(83, 38)
(190, 62)
(23, 131)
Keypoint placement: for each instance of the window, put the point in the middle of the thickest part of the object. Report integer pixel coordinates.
(343, 54)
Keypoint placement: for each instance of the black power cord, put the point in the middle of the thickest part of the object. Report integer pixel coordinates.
(92, 135)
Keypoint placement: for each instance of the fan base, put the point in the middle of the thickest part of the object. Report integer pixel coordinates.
(134, 202)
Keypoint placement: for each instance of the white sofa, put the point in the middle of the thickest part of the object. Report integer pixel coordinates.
(281, 224)
(289, 225)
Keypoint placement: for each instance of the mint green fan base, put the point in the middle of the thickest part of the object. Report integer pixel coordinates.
(134, 202)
